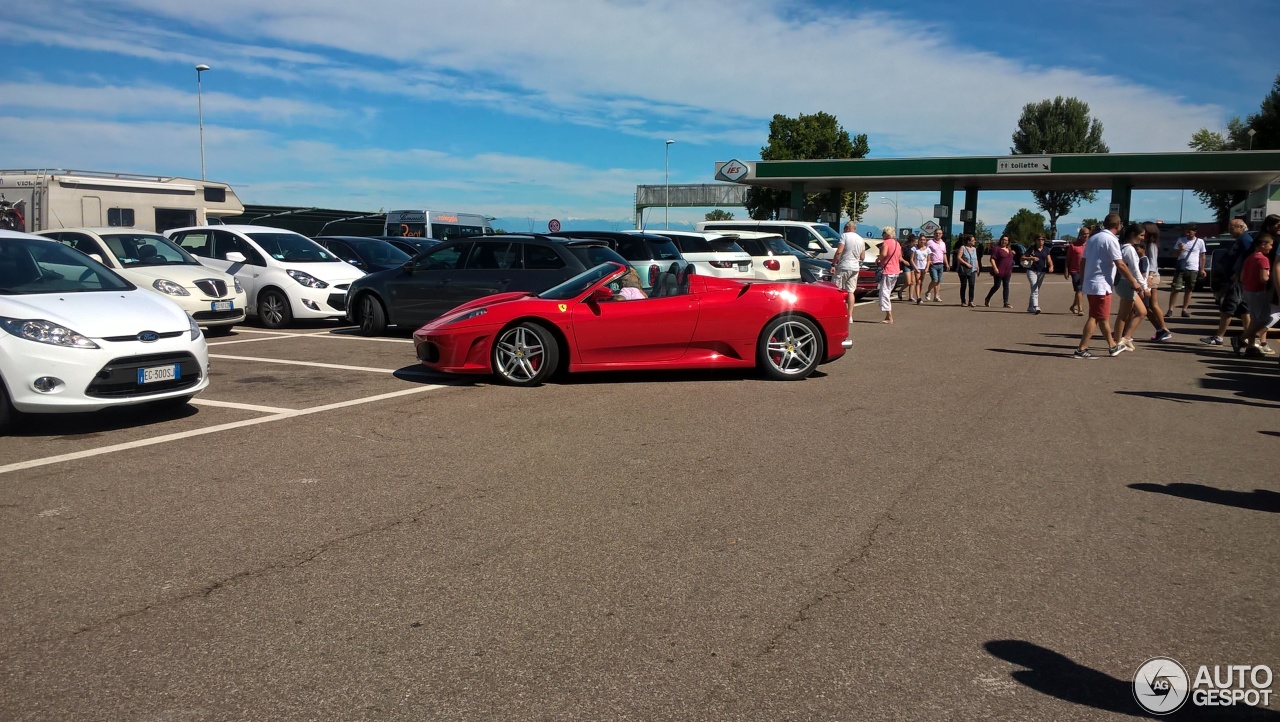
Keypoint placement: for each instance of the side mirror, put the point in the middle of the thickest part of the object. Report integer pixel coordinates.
(409, 266)
(812, 254)
(601, 294)
(236, 257)
(97, 257)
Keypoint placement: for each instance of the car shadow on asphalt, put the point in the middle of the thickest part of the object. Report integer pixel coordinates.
(663, 376)
(1256, 500)
(1193, 398)
(1056, 675)
(74, 427)
(1063, 351)
(419, 374)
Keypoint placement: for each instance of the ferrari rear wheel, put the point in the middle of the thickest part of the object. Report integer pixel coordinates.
(790, 348)
(525, 355)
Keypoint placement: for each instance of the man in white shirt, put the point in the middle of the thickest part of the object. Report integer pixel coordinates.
(1102, 259)
(848, 262)
(1189, 253)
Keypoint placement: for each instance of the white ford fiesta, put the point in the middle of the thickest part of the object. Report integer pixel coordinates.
(75, 336)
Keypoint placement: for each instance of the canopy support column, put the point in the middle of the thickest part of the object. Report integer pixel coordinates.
(971, 206)
(1121, 193)
(947, 198)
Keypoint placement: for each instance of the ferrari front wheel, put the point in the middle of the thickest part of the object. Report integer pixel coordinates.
(790, 348)
(525, 355)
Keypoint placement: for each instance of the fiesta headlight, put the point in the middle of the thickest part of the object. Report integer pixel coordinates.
(307, 279)
(42, 331)
(470, 315)
(236, 283)
(164, 285)
(195, 327)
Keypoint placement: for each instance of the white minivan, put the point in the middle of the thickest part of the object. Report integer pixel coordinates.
(285, 274)
(818, 239)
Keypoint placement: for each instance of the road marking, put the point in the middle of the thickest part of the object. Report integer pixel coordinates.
(251, 340)
(363, 338)
(178, 436)
(287, 362)
(255, 330)
(242, 407)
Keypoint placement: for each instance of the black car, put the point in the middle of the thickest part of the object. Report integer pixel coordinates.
(410, 244)
(1058, 254)
(368, 254)
(454, 272)
(650, 254)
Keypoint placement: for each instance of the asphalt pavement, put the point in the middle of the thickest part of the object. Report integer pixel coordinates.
(955, 521)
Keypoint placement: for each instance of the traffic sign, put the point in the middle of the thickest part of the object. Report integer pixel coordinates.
(929, 227)
(553, 226)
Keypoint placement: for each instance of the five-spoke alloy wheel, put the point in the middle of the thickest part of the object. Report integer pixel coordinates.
(790, 348)
(525, 355)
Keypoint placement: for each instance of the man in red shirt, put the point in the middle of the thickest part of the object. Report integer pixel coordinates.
(1254, 278)
(1075, 254)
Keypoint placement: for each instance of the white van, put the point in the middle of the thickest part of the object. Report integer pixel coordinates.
(817, 238)
(285, 274)
(440, 225)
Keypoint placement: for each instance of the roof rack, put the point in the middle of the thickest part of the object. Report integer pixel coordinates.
(86, 173)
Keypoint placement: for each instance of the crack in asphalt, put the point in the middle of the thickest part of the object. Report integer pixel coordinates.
(204, 592)
(869, 543)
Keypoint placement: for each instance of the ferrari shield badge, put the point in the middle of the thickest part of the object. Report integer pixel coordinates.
(563, 307)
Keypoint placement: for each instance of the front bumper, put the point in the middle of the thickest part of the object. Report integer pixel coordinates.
(307, 302)
(460, 351)
(94, 379)
(201, 308)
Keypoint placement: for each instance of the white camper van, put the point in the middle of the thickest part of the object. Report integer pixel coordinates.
(440, 225)
(52, 199)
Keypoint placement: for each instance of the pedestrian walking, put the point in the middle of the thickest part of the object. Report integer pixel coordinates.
(1041, 266)
(1001, 270)
(1102, 259)
(1131, 308)
(1075, 255)
(1255, 278)
(1190, 252)
(889, 261)
(938, 264)
(920, 266)
(847, 263)
(1151, 241)
(908, 243)
(967, 267)
(1233, 304)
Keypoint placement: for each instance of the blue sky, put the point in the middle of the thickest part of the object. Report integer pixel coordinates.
(528, 111)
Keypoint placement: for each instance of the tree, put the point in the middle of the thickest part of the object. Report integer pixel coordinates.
(1208, 141)
(981, 233)
(1265, 123)
(808, 137)
(1024, 227)
(1061, 125)
(719, 215)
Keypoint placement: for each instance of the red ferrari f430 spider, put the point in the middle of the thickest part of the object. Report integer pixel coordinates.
(600, 320)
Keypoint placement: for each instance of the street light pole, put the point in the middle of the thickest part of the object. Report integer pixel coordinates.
(200, 113)
(666, 183)
(893, 203)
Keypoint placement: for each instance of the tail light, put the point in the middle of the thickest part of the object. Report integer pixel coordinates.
(653, 274)
(773, 265)
(720, 264)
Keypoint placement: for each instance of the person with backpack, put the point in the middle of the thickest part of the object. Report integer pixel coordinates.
(1233, 305)
(1190, 252)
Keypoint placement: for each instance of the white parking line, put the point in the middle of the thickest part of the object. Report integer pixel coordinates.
(257, 330)
(363, 338)
(87, 453)
(251, 340)
(242, 407)
(288, 362)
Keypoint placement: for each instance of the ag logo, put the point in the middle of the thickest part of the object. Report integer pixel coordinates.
(1160, 685)
(563, 307)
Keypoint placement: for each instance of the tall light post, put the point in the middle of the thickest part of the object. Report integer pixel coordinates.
(200, 113)
(893, 203)
(666, 183)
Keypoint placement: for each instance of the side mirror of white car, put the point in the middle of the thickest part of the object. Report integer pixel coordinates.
(236, 257)
(97, 257)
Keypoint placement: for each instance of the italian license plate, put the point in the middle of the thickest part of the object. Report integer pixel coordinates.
(159, 373)
(223, 305)
(744, 266)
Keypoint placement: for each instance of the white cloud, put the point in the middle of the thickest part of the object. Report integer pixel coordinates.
(151, 101)
(693, 70)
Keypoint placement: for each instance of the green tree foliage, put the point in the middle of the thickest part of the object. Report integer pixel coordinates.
(1024, 227)
(981, 233)
(719, 215)
(1265, 123)
(808, 137)
(1061, 125)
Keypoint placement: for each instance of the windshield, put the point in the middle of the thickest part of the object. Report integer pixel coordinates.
(663, 250)
(381, 252)
(33, 267)
(575, 286)
(145, 249)
(826, 232)
(592, 255)
(292, 248)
